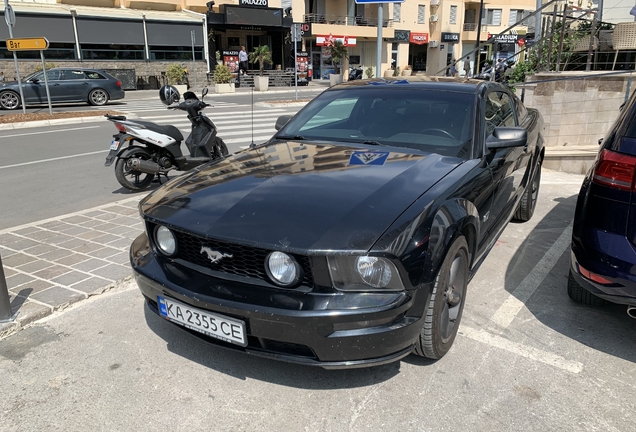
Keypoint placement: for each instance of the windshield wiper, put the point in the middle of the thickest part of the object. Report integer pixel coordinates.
(370, 142)
(290, 137)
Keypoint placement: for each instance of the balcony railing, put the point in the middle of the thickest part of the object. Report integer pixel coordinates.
(470, 26)
(345, 20)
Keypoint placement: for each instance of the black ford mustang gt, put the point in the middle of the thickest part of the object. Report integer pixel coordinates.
(349, 238)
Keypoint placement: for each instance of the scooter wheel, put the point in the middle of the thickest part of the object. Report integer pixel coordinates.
(133, 180)
(220, 149)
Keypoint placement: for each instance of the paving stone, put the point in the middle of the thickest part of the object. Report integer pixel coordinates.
(122, 258)
(92, 223)
(18, 280)
(106, 227)
(43, 235)
(94, 285)
(31, 287)
(8, 272)
(56, 254)
(61, 227)
(78, 219)
(40, 249)
(59, 238)
(128, 221)
(73, 259)
(74, 243)
(121, 244)
(28, 230)
(70, 278)
(105, 252)
(107, 216)
(58, 297)
(16, 242)
(94, 213)
(5, 253)
(76, 230)
(121, 230)
(52, 272)
(90, 235)
(17, 260)
(91, 264)
(113, 272)
(88, 247)
(51, 224)
(34, 266)
(106, 239)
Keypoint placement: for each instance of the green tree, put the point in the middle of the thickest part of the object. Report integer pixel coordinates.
(261, 55)
(337, 52)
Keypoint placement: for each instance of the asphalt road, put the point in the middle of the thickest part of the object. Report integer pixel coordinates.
(49, 171)
(526, 358)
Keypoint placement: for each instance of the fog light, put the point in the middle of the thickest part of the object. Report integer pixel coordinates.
(165, 240)
(282, 269)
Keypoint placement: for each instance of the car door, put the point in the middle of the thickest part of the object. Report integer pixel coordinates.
(507, 165)
(74, 85)
(35, 87)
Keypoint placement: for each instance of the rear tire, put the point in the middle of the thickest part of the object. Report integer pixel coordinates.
(9, 100)
(530, 196)
(133, 180)
(98, 97)
(580, 295)
(445, 308)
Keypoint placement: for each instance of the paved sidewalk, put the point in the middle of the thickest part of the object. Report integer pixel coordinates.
(53, 263)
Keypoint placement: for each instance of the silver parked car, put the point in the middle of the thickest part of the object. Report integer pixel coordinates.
(66, 85)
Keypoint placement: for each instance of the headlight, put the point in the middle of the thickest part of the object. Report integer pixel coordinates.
(364, 273)
(165, 240)
(282, 269)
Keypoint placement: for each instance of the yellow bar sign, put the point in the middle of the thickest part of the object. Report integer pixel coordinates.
(27, 44)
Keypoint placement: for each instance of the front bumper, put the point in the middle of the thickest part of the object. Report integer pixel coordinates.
(330, 330)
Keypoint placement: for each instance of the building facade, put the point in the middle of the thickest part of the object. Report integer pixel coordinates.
(146, 36)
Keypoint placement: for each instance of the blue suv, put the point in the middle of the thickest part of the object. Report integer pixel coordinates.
(603, 258)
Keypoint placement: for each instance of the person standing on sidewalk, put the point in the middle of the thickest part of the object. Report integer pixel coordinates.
(243, 61)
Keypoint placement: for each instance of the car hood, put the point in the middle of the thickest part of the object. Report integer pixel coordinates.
(299, 196)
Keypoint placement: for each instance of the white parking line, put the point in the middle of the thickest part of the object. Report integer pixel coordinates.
(518, 298)
(49, 131)
(521, 350)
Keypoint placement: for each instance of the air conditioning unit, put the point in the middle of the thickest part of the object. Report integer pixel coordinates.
(434, 2)
(434, 18)
(433, 44)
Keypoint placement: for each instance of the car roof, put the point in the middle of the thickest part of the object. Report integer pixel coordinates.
(462, 85)
(76, 68)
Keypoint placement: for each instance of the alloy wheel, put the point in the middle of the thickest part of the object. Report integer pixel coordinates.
(9, 100)
(453, 297)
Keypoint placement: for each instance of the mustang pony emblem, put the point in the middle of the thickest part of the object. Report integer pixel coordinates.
(214, 256)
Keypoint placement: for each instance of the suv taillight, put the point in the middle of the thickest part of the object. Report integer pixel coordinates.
(615, 170)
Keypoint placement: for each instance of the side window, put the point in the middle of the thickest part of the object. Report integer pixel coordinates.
(522, 112)
(499, 111)
(51, 75)
(70, 74)
(94, 75)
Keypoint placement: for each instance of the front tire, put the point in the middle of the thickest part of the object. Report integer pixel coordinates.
(9, 100)
(220, 149)
(98, 97)
(133, 180)
(530, 196)
(445, 308)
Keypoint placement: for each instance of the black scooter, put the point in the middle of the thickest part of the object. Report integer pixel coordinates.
(154, 150)
(355, 73)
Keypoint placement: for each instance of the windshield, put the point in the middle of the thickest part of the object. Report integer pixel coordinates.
(428, 120)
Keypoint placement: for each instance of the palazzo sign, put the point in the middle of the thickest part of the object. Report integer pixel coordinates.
(254, 3)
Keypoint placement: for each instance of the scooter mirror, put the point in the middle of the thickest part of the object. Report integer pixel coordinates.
(204, 92)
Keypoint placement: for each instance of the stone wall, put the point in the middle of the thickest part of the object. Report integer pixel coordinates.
(577, 111)
(142, 68)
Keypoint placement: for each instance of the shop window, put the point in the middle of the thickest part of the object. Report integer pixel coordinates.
(421, 16)
(56, 51)
(175, 53)
(111, 52)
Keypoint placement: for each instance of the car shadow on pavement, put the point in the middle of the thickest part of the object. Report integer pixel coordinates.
(607, 329)
(243, 366)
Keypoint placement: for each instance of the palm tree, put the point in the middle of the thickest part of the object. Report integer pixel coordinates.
(338, 52)
(262, 55)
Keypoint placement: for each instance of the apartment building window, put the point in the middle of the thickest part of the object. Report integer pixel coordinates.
(453, 15)
(421, 9)
(396, 12)
(515, 15)
(491, 17)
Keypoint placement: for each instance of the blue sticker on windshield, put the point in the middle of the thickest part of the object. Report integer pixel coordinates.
(368, 158)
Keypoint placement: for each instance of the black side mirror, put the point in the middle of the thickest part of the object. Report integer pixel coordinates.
(507, 137)
(282, 121)
(35, 80)
(204, 92)
(600, 141)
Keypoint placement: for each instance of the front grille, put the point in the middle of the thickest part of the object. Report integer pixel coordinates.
(245, 261)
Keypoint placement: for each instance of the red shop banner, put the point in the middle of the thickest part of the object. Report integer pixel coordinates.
(418, 38)
(324, 40)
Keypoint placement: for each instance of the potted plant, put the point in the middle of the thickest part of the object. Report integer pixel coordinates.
(223, 80)
(396, 72)
(337, 52)
(408, 70)
(368, 72)
(261, 55)
(174, 74)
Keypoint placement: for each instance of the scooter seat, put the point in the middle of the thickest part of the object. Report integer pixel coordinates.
(169, 130)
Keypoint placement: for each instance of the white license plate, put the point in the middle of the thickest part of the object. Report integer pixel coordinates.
(114, 145)
(217, 326)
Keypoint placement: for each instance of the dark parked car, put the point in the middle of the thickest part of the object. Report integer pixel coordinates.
(95, 87)
(349, 238)
(603, 258)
